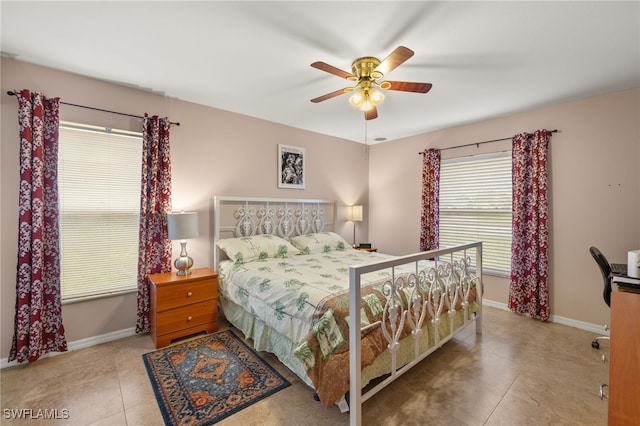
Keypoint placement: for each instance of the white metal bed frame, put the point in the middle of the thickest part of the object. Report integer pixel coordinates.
(448, 280)
(278, 216)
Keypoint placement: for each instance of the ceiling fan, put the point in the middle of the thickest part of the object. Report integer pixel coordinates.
(368, 73)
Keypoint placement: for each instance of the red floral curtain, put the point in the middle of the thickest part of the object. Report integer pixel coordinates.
(528, 290)
(430, 205)
(38, 325)
(154, 253)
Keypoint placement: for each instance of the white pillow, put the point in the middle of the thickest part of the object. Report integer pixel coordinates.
(321, 242)
(256, 247)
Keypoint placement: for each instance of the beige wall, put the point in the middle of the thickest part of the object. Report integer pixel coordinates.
(594, 192)
(213, 153)
(595, 182)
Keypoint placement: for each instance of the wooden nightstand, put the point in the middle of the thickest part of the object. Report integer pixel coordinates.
(369, 249)
(181, 306)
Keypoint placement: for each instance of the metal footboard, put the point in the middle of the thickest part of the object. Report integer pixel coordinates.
(424, 285)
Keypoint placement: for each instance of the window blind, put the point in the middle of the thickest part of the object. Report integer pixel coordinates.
(475, 204)
(99, 186)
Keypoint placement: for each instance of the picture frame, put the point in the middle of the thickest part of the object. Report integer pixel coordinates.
(291, 167)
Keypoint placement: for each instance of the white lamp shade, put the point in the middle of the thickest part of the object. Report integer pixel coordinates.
(182, 226)
(356, 213)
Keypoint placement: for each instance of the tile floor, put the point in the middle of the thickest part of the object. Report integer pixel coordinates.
(518, 372)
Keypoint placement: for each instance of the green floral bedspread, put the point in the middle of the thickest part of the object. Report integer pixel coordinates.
(285, 293)
(305, 297)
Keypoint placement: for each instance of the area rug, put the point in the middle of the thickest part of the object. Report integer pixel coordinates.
(202, 381)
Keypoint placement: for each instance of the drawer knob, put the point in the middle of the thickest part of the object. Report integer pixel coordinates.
(189, 294)
(189, 318)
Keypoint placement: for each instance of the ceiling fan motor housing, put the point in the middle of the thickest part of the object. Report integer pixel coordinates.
(365, 68)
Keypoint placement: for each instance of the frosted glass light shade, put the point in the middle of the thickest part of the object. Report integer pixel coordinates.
(182, 226)
(365, 99)
(357, 98)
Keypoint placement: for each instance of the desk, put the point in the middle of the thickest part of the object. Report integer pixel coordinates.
(624, 365)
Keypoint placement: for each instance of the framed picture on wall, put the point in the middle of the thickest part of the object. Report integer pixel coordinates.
(291, 165)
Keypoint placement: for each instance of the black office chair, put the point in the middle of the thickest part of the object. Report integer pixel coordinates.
(605, 269)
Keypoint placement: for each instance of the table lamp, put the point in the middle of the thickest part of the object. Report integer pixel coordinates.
(182, 226)
(355, 216)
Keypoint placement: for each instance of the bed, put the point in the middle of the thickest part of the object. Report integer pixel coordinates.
(294, 286)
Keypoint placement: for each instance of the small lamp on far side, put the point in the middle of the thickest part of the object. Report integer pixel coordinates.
(182, 226)
(355, 216)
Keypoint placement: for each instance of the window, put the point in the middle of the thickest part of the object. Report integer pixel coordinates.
(475, 204)
(99, 186)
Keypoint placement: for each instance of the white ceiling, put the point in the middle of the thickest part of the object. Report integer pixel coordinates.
(484, 59)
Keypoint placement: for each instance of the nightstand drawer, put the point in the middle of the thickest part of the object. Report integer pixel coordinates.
(182, 294)
(187, 316)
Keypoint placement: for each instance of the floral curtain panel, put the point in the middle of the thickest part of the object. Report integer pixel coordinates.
(528, 289)
(154, 253)
(430, 202)
(38, 325)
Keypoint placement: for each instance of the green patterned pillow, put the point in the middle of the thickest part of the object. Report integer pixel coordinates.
(321, 242)
(256, 247)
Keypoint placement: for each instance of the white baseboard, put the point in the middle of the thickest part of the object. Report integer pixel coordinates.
(594, 328)
(119, 334)
(81, 344)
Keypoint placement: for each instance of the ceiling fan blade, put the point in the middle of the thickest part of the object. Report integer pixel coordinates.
(395, 59)
(371, 114)
(332, 70)
(407, 86)
(329, 95)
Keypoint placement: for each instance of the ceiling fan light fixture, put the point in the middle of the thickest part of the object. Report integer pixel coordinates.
(366, 98)
(375, 96)
(366, 105)
(358, 98)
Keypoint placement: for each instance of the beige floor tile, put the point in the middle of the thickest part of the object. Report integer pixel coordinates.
(529, 412)
(517, 372)
(569, 397)
(135, 386)
(85, 402)
(118, 419)
(145, 414)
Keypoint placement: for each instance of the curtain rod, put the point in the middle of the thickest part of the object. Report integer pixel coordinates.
(477, 144)
(11, 93)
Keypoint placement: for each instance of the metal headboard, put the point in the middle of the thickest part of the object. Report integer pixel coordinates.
(284, 217)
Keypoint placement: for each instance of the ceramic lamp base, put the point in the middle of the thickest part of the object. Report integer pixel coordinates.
(184, 263)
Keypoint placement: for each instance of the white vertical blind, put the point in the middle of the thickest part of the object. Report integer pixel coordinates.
(99, 183)
(475, 204)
